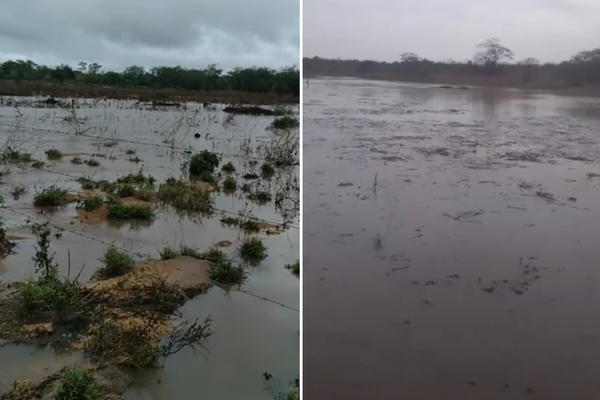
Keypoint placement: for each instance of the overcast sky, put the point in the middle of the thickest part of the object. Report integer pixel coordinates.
(551, 30)
(119, 33)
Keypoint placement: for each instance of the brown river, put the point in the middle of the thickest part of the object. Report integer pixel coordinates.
(449, 245)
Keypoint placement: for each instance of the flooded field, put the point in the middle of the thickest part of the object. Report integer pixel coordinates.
(84, 148)
(449, 245)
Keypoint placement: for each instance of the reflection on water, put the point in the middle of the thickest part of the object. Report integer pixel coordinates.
(449, 243)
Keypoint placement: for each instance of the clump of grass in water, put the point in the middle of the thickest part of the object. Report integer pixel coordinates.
(189, 251)
(294, 268)
(253, 250)
(226, 273)
(249, 225)
(51, 197)
(92, 203)
(260, 196)
(130, 152)
(116, 263)
(229, 184)
(285, 122)
(228, 168)
(54, 155)
(120, 211)
(138, 178)
(38, 164)
(15, 156)
(267, 170)
(18, 190)
(184, 197)
(92, 162)
(78, 384)
(76, 160)
(135, 159)
(168, 253)
(213, 254)
(203, 161)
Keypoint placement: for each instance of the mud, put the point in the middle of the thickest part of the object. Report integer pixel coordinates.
(250, 332)
(449, 243)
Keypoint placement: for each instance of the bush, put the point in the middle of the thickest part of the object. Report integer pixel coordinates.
(78, 384)
(92, 203)
(228, 168)
(120, 211)
(229, 184)
(115, 262)
(54, 155)
(253, 249)
(51, 197)
(203, 161)
(224, 272)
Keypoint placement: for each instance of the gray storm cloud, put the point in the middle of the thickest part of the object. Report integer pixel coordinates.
(551, 30)
(192, 33)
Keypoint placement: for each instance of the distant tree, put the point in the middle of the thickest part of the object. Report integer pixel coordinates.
(62, 73)
(409, 57)
(530, 61)
(585, 57)
(492, 52)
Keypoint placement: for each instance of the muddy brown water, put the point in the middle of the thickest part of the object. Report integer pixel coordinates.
(251, 335)
(450, 243)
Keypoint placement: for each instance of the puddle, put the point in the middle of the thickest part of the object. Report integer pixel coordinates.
(446, 261)
(128, 138)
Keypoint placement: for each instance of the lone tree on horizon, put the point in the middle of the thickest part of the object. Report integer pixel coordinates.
(492, 52)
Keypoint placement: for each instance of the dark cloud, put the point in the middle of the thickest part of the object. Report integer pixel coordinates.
(551, 30)
(125, 32)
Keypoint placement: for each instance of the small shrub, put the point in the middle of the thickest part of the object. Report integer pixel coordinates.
(54, 154)
(18, 190)
(130, 152)
(76, 160)
(213, 254)
(206, 176)
(203, 161)
(38, 164)
(224, 272)
(285, 122)
(189, 251)
(294, 268)
(115, 262)
(229, 184)
(51, 197)
(267, 170)
(167, 253)
(15, 156)
(127, 190)
(135, 159)
(120, 211)
(253, 249)
(138, 178)
(261, 197)
(78, 384)
(228, 168)
(92, 203)
(92, 162)
(184, 197)
(49, 295)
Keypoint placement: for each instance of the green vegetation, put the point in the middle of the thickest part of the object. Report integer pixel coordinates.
(76, 160)
(15, 157)
(54, 155)
(253, 249)
(294, 268)
(230, 184)
(121, 211)
(78, 384)
(115, 262)
(184, 197)
(285, 81)
(206, 176)
(203, 162)
(92, 203)
(285, 122)
(267, 170)
(135, 159)
(92, 162)
(51, 197)
(18, 190)
(247, 224)
(130, 152)
(226, 273)
(168, 253)
(38, 164)
(228, 168)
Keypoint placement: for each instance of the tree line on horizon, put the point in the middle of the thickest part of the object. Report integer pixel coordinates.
(492, 61)
(285, 81)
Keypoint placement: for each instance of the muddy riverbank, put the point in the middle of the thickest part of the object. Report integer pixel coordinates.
(449, 239)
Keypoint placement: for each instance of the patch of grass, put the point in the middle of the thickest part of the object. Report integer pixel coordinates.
(228, 168)
(111, 143)
(130, 152)
(121, 211)
(203, 161)
(135, 159)
(92, 162)
(213, 254)
(294, 268)
(116, 263)
(282, 110)
(127, 190)
(285, 122)
(38, 164)
(253, 250)
(51, 197)
(76, 160)
(138, 178)
(168, 253)
(249, 225)
(260, 196)
(250, 176)
(246, 188)
(49, 296)
(226, 273)
(54, 155)
(18, 190)
(230, 184)
(185, 197)
(78, 384)
(267, 170)
(15, 156)
(206, 176)
(92, 203)
(189, 251)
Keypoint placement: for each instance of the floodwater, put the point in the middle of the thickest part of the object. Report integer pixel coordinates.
(450, 243)
(251, 335)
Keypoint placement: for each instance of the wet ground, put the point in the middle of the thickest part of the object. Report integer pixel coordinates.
(450, 245)
(253, 332)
